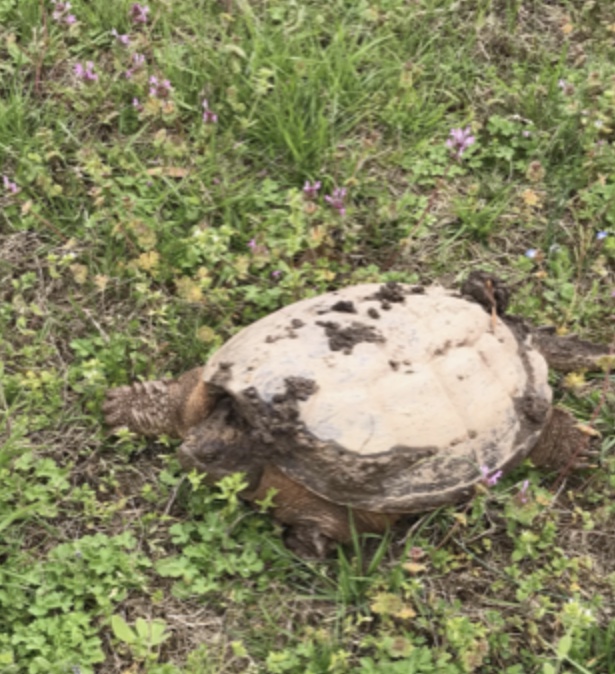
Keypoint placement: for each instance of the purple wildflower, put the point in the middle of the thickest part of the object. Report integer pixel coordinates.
(139, 12)
(138, 61)
(601, 236)
(460, 140)
(60, 13)
(252, 244)
(531, 253)
(209, 117)
(416, 553)
(159, 89)
(336, 200)
(276, 273)
(122, 39)
(488, 479)
(522, 495)
(136, 104)
(85, 73)
(526, 134)
(311, 190)
(566, 87)
(10, 186)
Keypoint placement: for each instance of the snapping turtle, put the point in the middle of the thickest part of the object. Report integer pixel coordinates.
(379, 400)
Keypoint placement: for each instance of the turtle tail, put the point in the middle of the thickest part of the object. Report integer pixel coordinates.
(570, 353)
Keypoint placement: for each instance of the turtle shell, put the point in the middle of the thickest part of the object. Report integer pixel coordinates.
(388, 398)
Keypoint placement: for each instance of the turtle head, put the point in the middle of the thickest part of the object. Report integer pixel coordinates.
(221, 445)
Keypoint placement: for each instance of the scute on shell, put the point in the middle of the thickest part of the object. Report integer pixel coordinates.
(386, 398)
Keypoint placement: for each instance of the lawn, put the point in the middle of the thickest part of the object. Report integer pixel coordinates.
(172, 172)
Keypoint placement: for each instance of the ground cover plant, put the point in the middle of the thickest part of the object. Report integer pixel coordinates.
(173, 171)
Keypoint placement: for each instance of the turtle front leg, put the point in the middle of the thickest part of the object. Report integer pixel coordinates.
(562, 444)
(169, 406)
(314, 525)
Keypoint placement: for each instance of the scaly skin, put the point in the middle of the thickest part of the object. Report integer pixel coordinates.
(177, 407)
(562, 443)
(314, 524)
(166, 406)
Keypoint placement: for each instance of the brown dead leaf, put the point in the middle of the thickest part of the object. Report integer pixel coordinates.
(168, 171)
(413, 567)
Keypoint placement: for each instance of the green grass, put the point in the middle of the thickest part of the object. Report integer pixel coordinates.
(139, 240)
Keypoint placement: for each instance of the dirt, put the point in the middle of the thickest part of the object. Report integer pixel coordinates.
(390, 292)
(344, 306)
(223, 374)
(289, 331)
(345, 339)
(300, 388)
(393, 293)
(269, 422)
(487, 290)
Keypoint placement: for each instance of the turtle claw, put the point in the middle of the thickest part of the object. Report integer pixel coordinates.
(583, 465)
(588, 430)
(116, 406)
(585, 459)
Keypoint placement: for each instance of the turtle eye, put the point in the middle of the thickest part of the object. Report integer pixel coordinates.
(209, 453)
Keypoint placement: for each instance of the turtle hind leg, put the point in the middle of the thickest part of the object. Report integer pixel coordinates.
(563, 443)
(169, 406)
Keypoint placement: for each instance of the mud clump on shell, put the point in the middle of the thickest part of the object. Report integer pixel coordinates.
(344, 339)
(281, 416)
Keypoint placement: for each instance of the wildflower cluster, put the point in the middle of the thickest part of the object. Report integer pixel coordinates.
(335, 200)
(85, 72)
(10, 186)
(488, 478)
(139, 13)
(138, 61)
(459, 141)
(209, 117)
(122, 39)
(311, 190)
(158, 88)
(61, 13)
(522, 494)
